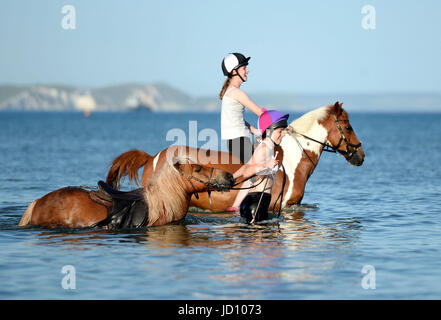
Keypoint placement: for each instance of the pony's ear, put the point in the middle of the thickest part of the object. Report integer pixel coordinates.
(176, 160)
(337, 107)
(177, 164)
(180, 161)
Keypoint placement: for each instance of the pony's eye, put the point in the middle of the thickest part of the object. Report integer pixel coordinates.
(348, 128)
(198, 169)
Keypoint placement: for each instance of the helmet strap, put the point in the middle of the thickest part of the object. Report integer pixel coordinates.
(276, 144)
(269, 133)
(237, 74)
(271, 138)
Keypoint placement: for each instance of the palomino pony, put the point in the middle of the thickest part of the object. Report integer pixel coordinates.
(326, 128)
(74, 207)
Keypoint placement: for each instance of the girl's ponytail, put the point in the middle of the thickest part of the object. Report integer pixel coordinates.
(224, 87)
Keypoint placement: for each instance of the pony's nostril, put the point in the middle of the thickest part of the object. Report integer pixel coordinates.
(229, 179)
(229, 176)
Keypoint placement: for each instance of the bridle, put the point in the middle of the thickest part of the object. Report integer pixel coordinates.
(355, 147)
(214, 186)
(211, 186)
(330, 148)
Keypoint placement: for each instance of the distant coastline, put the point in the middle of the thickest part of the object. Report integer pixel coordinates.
(160, 97)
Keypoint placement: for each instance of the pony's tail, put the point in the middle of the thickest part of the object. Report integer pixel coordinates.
(26, 218)
(127, 164)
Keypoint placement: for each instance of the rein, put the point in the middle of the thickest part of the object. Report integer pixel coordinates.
(246, 188)
(281, 193)
(326, 147)
(212, 186)
(280, 196)
(258, 205)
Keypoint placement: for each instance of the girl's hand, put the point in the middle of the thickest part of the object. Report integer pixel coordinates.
(290, 130)
(254, 131)
(273, 162)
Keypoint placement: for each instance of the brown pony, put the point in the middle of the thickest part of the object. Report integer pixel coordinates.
(166, 198)
(323, 128)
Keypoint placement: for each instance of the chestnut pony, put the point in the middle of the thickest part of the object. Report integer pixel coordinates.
(73, 207)
(326, 128)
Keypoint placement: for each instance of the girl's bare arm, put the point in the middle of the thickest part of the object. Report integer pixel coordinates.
(256, 164)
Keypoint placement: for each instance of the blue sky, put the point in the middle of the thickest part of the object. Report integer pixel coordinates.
(296, 47)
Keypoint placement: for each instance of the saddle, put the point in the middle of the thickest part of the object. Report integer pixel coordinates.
(125, 210)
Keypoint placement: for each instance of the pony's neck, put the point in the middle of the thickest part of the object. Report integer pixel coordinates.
(301, 155)
(312, 126)
(167, 196)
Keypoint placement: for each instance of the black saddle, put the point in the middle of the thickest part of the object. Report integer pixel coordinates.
(128, 210)
(121, 195)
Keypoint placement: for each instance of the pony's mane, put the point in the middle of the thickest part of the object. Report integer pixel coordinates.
(165, 194)
(305, 122)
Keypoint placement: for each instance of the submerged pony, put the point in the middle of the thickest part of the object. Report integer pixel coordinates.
(165, 199)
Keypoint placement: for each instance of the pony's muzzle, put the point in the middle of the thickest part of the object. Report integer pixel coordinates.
(225, 181)
(357, 157)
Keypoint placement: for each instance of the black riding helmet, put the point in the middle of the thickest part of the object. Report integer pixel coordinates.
(232, 62)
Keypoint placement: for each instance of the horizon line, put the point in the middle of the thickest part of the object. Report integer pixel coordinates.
(261, 92)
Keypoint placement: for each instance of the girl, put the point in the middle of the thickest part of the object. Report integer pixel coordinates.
(234, 129)
(254, 207)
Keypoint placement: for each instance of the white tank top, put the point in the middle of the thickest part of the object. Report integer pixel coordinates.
(232, 122)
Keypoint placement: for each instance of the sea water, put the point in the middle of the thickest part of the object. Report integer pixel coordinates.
(369, 232)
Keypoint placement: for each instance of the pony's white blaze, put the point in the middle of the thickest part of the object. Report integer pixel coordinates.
(155, 161)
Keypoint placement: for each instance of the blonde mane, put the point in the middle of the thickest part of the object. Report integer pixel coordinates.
(305, 122)
(165, 195)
